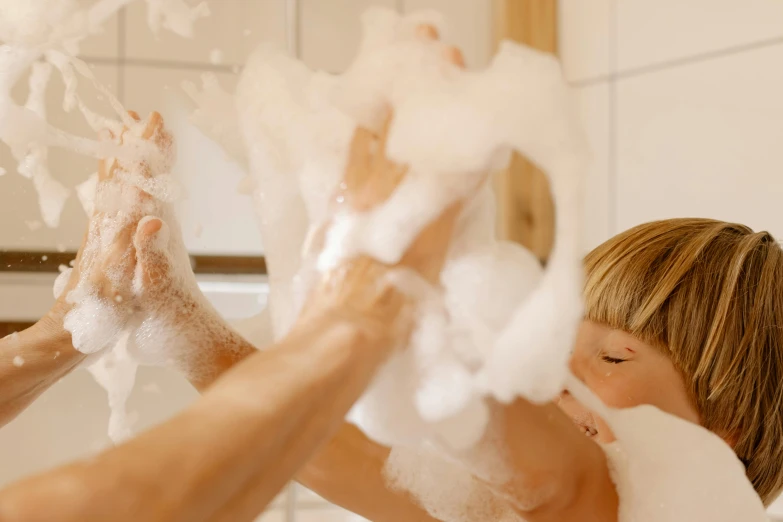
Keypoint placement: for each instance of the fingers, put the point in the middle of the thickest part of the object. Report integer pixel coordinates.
(454, 55)
(149, 227)
(154, 125)
(359, 158)
(427, 32)
(152, 262)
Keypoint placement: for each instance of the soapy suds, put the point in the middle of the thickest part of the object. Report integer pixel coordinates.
(18, 361)
(669, 469)
(451, 127)
(500, 325)
(41, 37)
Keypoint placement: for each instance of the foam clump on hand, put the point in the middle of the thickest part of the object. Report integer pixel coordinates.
(450, 128)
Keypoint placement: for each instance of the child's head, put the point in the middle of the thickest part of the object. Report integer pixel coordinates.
(687, 315)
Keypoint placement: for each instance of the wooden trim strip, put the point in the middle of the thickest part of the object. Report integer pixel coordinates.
(7, 328)
(46, 262)
(526, 212)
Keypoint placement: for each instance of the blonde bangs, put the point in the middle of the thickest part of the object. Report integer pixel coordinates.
(710, 294)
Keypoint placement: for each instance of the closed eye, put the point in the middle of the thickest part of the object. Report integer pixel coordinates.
(612, 360)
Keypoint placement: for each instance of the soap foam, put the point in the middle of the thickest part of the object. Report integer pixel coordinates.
(451, 127)
(666, 468)
(107, 310)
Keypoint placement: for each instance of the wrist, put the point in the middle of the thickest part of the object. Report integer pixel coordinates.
(51, 330)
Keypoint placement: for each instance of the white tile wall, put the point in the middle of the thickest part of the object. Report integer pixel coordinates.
(594, 107)
(659, 31)
(585, 38)
(234, 28)
(703, 140)
(695, 137)
(104, 44)
(17, 197)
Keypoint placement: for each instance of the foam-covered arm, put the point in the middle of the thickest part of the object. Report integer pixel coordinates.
(31, 361)
(256, 426)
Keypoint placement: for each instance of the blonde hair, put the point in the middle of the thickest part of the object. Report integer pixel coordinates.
(710, 294)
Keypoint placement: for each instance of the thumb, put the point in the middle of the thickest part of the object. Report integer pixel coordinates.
(153, 266)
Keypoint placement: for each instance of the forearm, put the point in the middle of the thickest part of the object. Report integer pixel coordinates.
(267, 415)
(30, 362)
(347, 470)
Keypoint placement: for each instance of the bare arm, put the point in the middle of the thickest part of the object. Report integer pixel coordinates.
(31, 361)
(266, 415)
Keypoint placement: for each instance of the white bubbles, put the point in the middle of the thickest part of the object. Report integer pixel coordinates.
(62, 281)
(18, 361)
(115, 371)
(498, 325)
(666, 468)
(94, 326)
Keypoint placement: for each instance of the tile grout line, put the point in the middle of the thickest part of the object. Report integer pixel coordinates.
(293, 16)
(121, 32)
(678, 62)
(162, 64)
(702, 57)
(612, 109)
